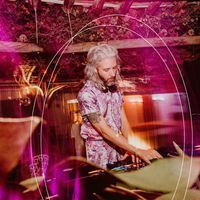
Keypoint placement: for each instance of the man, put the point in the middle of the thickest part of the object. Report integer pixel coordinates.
(105, 128)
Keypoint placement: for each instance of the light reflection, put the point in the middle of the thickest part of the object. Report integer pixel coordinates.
(137, 142)
(134, 98)
(158, 97)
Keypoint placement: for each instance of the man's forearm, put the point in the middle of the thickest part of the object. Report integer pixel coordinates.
(119, 140)
(108, 133)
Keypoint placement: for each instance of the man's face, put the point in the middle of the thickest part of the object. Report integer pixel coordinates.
(107, 70)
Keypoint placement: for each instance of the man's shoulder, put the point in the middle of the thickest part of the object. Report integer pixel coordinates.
(88, 89)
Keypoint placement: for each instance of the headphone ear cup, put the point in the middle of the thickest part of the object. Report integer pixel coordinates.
(112, 88)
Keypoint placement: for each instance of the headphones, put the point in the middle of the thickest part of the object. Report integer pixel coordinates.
(111, 88)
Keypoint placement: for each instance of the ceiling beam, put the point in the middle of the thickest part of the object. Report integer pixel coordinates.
(137, 43)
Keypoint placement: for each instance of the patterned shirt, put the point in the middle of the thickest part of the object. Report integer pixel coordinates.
(93, 100)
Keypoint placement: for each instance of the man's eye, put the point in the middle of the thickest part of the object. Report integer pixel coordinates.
(106, 70)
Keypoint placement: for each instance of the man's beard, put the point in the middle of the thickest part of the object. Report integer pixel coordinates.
(111, 85)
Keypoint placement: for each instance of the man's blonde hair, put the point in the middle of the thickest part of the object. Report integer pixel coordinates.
(95, 55)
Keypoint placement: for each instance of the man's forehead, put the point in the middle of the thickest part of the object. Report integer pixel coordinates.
(107, 63)
(109, 67)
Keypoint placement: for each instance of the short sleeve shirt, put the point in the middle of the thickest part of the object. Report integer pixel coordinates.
(93, 100)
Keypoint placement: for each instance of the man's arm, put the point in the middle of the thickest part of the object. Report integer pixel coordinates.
(99, 123)
(126, 128)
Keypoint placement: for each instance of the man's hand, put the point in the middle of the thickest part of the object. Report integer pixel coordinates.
(145, 155)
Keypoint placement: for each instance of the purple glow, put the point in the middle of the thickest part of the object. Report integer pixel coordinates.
(77, 187)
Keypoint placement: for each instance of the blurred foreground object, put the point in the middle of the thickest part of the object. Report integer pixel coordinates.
(161, 180)
(76, 178)
(165, 175)
(14, 135)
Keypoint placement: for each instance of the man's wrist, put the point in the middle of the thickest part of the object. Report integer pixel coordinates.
(135, 150)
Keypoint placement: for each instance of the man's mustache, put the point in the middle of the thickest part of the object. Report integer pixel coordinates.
(112, 78)
(111, 81)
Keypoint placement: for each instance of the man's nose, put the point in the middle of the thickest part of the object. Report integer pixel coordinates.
(112, 73)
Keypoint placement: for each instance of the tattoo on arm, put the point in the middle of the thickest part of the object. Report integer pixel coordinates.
(94, 117)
